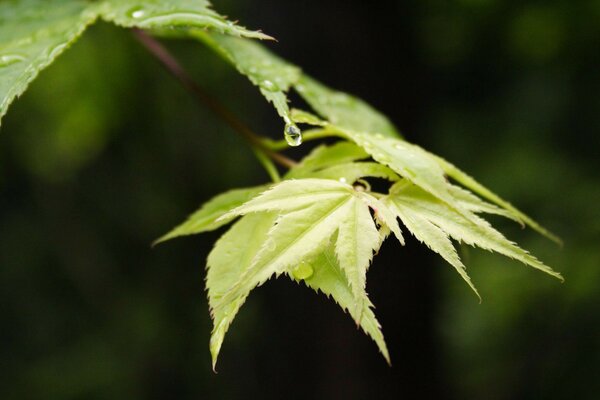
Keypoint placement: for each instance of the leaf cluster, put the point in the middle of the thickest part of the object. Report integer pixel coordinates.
(322, 224)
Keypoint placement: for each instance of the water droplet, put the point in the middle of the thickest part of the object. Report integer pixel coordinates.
(303, 271)
(293, 135)
(268, 85)
(9, 59)
(343, 180)
(136, 13)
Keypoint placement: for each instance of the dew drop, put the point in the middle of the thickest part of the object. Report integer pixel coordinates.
(136, 13)
(293, 134)
(303, 271)
(9, 59)
(268, 85)
(343, 180)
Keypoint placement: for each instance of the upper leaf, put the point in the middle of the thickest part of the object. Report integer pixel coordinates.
(160, 14)
(32, 34)
(271, 74)
(344, 110)
(275, 76)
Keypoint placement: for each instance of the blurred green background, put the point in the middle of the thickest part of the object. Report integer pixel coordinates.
(106, 152)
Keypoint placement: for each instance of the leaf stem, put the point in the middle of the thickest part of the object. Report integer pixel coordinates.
(267, 163)
(173, 66)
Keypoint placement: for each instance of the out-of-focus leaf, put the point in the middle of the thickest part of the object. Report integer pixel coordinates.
(32, 34)
(344, 110)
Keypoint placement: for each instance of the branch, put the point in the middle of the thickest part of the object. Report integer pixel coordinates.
(169, 62)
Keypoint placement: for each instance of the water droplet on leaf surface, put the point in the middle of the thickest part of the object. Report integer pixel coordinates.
(268, 85)
(303, 271)
(293, 134)
(9, 59)
(136, 13)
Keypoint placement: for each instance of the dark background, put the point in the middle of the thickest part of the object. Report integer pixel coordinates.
(106, 152)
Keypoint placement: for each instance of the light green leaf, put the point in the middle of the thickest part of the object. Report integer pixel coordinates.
(408, 160)
(344, 110)
(429, 234)
(329, 279)
(327, 156)
(159, 14)
(296, 236)
(230, 258)
(466, 180)
(311, 211)
(474, 230)
(384, 216)
(294, 194)
(357, 239)
(32, 34)
(271, 74)
(351, 172)
(471, 202)
(207, 217)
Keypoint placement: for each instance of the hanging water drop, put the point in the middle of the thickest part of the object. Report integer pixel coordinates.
(9, 59)
(293, 134)
(303, 271)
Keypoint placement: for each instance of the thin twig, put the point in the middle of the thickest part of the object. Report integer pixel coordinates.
(174, 68)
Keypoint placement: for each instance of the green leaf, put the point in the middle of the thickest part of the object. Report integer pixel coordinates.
(274, 76)
(410, 201)
(430, 234)
(160, 14)
(311, 211)
(344, 110)
(32, 34)
(471, 202)
(466, 180)
(357, 239)
(207, 217)
(351, 172)
(329, 279)
(408, 160)
(230, 258)
(327, 156)
(271, 74)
